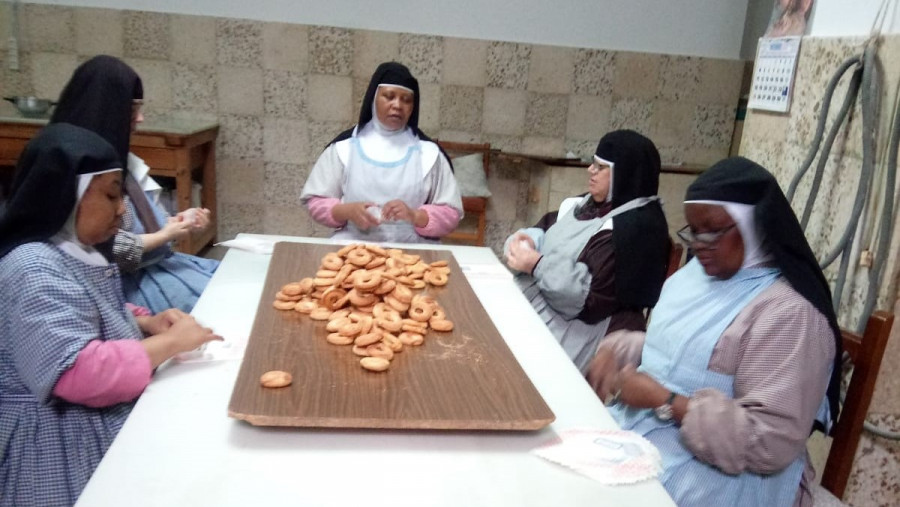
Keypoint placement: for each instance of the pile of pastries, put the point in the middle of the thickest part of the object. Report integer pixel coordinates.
(369, 298)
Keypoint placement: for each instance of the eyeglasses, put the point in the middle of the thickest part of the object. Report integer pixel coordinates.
(595, 168)
(707, 239)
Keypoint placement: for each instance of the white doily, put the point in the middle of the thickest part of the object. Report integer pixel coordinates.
(608, 456)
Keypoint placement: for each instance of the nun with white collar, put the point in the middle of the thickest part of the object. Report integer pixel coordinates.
(742, 356)
(72, 358)
(384, 180)
(598, 263)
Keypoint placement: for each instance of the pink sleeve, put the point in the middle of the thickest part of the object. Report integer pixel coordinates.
(138, 311)
(106, 373)
(320, 210)
(442, 219)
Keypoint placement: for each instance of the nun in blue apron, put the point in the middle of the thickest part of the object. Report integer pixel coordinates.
(384, 180)
(596, 265)
(741, 358)
(105, 95)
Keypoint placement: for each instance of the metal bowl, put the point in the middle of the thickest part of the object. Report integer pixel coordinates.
(32, 107)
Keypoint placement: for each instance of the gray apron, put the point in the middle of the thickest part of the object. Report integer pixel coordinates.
(366, 179)
(567, 238)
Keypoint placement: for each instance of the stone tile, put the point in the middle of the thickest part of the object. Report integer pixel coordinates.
(285, 141)
(582, 148)
(679, 78)
(720, 81)
(588, 117)
(240, 137)
(194, 39)
(569, 181)
(429, 107)
(284, 183)
(636, 75)
(461, 108)
(544, 146)
(240, 218)
(552, 69)
(47, 28)
(501, 142)
(669, 122)
(98, 31)
(504, 111)
(546, 114)
(711, 126)
(285, 47)
(465, 62)
(674, 154)
(147, 35)
(424, 55)
(239, 43)
(239, 181)
(330, 98)
(240, 91)
(194, 87)
(594, 71)
(764, 125)
(459, 136)
(330, 50)
(321, 133)
(287, 220)
(507, 65)
(370, 49)
(18, 82)
(284, 94)
(632, 114)
(503, 202)
(50, 72)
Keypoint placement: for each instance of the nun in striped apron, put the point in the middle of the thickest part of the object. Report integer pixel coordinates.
(740, 359)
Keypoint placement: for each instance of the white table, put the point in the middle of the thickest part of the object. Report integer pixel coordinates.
(179, 447)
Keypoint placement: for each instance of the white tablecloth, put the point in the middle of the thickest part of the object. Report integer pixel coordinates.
(179, 447)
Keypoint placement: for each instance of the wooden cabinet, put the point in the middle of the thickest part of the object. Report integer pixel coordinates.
(181, 149)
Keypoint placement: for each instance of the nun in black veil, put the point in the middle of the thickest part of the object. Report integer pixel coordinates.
(384, 179)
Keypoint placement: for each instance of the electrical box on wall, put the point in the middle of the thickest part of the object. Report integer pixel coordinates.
(773, 74)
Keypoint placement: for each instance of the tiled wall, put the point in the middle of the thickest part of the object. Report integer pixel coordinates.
(780, 143)
(282, 91)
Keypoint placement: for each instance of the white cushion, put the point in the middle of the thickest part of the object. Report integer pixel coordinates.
(469, 172)
(823, 498)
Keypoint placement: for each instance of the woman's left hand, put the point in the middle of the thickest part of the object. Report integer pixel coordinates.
(522, 258)
(398, 210)
(161, 322)
(640, 390)
(198, 218)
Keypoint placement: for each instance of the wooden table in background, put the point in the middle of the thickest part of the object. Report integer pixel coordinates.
(173, 148)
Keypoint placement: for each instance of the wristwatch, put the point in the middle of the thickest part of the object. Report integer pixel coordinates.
(664, 411)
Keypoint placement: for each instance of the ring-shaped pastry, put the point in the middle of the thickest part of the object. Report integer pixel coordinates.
(359, 257)
(366, 281)
(332, 261)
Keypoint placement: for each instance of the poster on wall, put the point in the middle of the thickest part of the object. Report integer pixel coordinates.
(789, 18)
(776, 56)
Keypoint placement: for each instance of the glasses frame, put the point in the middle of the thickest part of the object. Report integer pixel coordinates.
(709, 239)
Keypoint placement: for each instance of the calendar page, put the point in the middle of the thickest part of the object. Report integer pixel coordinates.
(773, 74)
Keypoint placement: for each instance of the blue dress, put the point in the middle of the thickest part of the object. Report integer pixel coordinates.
(49, 447)
(165, 278)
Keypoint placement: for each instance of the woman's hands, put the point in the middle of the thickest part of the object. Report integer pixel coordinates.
(161, 322)
(522, 256)
(356, 212)
(197, 219)
(173, 332)
(398, 210)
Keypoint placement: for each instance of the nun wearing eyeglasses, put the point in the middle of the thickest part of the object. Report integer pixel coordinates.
(384, 179)
(598, 263)
(741, 357)
(72, 358)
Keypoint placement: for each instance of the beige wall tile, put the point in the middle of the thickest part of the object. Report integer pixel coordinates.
(720, 81)
(461, 108)
(595, 71)
(504, 111)
(51, 72)
(465, 62)
(370, 49)
(552, 69)
(636, 75)
(147, 35)
(569, 181)
(284, 94)
(424, 55)
(237, 218)
(194, 88)
(288, 220)
(285, 141)
(679, 78)
(239, 43)
(545, 146)
(283, 185)
(193, 39)
(98, 31)
(503, 201)
(330, 98)
(285, 47)
(670, 123)
(588, 117)
(460, 136)
(503, 142)
(240, 91)
(239, 181)
(240, 137)
(507, 65)
(632, 114)
(330, 50)
(156, 76)
(429, 107)
(546, 114)
(47, 28)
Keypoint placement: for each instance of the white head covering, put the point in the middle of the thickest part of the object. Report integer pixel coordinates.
(742, 214)
(612, 166)
(381, 143)
(67, 237)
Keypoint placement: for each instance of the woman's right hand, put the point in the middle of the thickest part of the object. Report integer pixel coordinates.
(183, 335)
(519, 237)
(175, 228)
(356, 212)
(602, 373)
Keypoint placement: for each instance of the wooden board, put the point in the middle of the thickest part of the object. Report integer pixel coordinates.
(466, 379)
